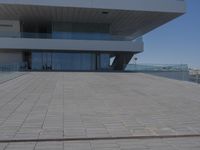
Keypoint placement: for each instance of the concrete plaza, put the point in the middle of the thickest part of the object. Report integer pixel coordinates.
(43, 105)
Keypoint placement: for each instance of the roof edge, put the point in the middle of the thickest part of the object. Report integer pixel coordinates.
(173, 6)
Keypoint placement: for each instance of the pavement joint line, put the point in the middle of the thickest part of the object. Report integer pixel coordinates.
(101, 138)
(2, 82)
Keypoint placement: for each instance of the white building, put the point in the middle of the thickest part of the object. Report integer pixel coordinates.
(79, 34)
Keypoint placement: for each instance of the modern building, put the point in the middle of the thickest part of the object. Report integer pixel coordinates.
(87, 35)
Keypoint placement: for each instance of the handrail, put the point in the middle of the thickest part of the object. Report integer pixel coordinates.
(68, 35)
(157, 67)
(13, 67)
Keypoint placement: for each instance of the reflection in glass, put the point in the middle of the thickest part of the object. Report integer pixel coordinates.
(37, 63)
(104, 61)
(63, 61)
(81, 36)
(78, 31)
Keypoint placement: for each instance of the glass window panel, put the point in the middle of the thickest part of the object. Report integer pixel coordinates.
(37, 61)
(104, 61)
(63, 61)
(87, 61)
(87, 31)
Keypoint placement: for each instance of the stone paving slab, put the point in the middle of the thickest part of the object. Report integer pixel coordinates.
(75, 105)
(6, 76)
(147, 144)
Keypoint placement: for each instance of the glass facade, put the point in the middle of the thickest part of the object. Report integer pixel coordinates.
(73, 61)
(70, 61)
(66, 61)
(103, 61)
(85, 31)
(66, 30)
(80, 36)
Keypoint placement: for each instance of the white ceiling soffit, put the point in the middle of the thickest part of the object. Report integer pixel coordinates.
(178, 6)
(124, 23)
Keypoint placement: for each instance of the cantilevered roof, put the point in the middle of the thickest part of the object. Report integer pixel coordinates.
(126, 17)
(138, 5)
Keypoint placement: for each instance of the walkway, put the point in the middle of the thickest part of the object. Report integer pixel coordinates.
(44, 105)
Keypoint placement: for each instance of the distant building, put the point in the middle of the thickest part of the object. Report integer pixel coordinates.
(87, 35)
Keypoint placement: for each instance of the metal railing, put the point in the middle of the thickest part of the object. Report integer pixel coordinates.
(177, 72)
(13, 67)
(73, 36)
(195, 78)
(173, 71)
(11, 71)
(156, 67)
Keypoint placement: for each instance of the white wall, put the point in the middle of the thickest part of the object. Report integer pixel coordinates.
(9, 28)
(10, 57)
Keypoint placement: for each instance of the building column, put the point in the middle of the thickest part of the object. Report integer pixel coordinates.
(121, 61)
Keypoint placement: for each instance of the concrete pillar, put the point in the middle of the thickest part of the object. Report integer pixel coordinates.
(121, 60)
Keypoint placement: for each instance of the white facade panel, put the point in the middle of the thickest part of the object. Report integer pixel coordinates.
(80, 45)
(9, 26)
(10, 57)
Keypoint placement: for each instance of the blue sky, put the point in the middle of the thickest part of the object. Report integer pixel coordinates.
(177, 42)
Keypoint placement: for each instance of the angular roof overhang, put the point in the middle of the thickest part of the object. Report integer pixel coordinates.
(129, 18)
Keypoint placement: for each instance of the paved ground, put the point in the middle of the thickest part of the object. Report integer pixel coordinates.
(6, 76)
(62, 105)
